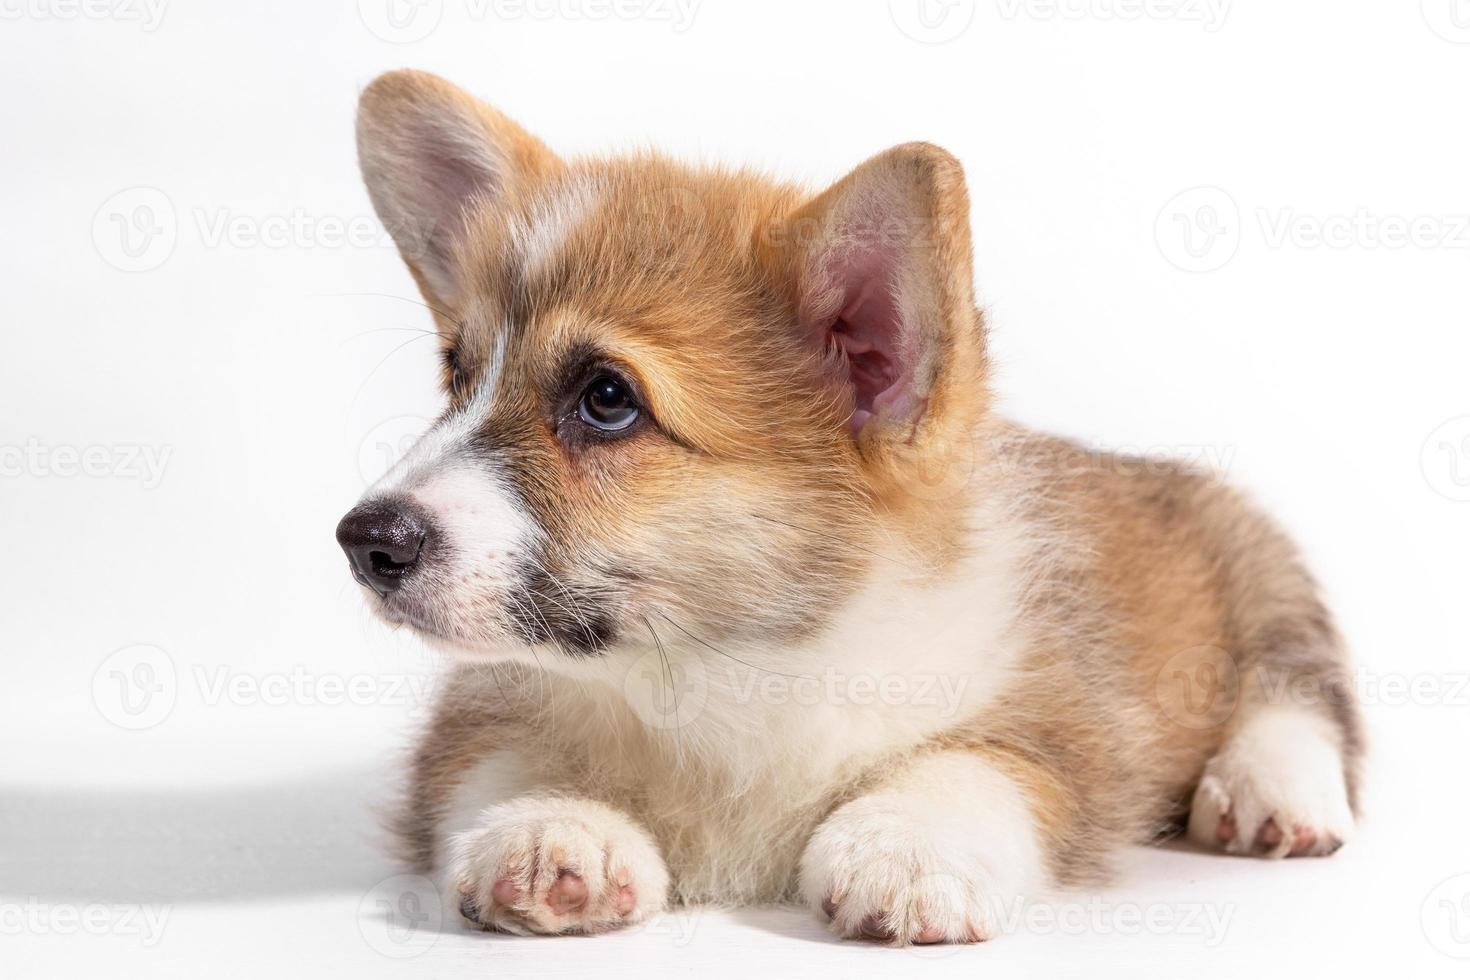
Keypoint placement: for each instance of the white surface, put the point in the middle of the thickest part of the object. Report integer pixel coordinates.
(247, 354)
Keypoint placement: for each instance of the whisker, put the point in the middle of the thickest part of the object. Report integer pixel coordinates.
(363, 387)
(664, 657)
(363, 333)
(572, 606)
(405, 299)
(706, 643)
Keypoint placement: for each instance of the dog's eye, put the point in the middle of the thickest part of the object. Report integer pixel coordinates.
(453, 373)
(607, 405)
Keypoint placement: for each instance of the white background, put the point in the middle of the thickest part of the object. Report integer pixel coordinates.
(215, 323)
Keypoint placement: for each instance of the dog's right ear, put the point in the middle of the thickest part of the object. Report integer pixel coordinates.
(432, 155)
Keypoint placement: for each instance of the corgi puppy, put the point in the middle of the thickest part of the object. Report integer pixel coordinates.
(752, 595)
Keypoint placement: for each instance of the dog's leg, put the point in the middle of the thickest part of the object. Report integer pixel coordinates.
(1283, 781)
(1276, 789)
(546, 863)
(941, 852)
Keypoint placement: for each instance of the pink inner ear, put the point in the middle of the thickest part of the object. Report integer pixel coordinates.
(867, 330)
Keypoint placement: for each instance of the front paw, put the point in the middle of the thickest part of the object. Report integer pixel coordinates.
(880, 870)
(552, 865)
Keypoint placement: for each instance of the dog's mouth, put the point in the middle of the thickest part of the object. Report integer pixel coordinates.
(540, 614)
(398, 610)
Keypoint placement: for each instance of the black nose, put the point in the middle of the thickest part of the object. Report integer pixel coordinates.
(383, 540)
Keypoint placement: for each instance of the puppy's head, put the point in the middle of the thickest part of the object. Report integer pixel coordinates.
(680, 402)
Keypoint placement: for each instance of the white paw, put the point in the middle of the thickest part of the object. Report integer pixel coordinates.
(1276, 790)
(557, 865)
(920, 867)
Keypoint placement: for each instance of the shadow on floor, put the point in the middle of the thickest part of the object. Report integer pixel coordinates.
(236, 843)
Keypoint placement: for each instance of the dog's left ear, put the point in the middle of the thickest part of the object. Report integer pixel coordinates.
(881, 273)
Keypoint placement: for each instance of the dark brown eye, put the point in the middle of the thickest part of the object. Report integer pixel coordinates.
(452, 370)
(607, 405)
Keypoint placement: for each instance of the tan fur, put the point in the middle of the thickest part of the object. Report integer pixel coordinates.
(752, 521)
